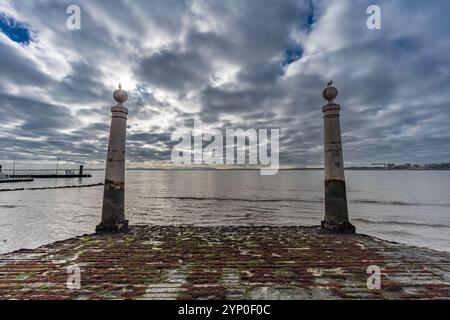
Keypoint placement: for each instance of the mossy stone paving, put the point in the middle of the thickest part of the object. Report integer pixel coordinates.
(183, 262)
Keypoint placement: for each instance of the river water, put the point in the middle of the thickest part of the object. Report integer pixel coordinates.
(411, 207)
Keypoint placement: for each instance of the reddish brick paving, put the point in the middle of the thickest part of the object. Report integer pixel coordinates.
(225, 263)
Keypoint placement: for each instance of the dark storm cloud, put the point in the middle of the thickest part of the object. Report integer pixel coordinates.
(176, 71)
(32, 127)
(17, 69)
(35, 117)
(82, 85)
(240, 64)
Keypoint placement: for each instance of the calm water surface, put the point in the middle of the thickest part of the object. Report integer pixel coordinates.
(402, 206)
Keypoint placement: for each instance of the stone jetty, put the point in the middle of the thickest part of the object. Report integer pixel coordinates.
(184, 262)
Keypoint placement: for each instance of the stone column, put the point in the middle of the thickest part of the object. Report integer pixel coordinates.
(336, 211)
(113, 212)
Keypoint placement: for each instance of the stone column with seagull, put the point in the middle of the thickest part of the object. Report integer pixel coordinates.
(336, 209)
(113, 211)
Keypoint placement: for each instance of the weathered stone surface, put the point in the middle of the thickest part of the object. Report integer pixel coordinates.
(336, 210)
(113, 211)
(225, 263)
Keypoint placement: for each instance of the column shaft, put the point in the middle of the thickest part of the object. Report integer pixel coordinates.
(336, 210)
(113, 212)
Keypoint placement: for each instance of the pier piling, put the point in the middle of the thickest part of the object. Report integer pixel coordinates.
(336, 210)
(113, 212)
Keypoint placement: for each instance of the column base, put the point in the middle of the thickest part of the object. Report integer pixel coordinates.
(113, 227)
(341, 228)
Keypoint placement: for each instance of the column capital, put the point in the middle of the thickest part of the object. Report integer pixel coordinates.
(331, 106)
(119, 108)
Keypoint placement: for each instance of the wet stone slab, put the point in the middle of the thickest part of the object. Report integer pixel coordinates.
(225, 263)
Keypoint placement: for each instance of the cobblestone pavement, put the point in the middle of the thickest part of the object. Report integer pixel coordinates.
(225, 263)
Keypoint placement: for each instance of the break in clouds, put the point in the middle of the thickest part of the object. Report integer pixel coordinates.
(239, 64)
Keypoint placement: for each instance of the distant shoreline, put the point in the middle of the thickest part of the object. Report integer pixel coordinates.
(235, 169)
(258, 169)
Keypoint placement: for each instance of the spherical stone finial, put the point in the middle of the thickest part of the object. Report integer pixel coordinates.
(120, 95)
(330, 93)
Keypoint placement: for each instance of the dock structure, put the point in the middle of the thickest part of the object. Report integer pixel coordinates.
(29, 175)
(16, 180)
(49, 176)
(113, 211)
(185, 262)
(4, 178)
(336, 209)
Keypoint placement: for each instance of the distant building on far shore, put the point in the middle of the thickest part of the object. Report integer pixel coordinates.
(406, 166)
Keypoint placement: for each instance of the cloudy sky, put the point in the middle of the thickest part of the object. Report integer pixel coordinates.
(239, 64)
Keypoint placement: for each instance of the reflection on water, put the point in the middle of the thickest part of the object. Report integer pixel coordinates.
(408, 207)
